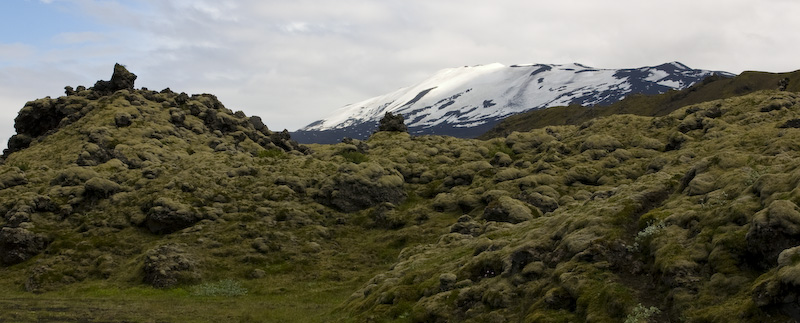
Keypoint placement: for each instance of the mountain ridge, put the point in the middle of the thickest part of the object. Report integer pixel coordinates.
(711, 88)
(454, 101)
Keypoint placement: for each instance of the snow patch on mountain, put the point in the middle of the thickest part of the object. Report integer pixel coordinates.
(472, 96)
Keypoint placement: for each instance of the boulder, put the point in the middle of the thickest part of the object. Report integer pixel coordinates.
(169, 265)
(542, 202)
(392, 122)
(123, 119)
(36, 119)
(361, 186)
(465, 225)
(19, 244)
(166, 216)
(773, 230)
(12, 178)
(100, 188)
(507, 209)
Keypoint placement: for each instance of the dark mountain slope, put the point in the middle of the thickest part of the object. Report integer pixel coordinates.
(465, 102)
(712, 88)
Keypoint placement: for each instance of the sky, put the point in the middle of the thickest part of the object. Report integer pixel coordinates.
(293, 62)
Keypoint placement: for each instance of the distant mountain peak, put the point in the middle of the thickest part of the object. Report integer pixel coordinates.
(465, 101)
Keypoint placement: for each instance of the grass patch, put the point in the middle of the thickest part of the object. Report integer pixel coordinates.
(225, 287)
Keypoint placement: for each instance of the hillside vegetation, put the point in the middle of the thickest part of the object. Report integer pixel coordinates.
(712, 88)
(143, 206)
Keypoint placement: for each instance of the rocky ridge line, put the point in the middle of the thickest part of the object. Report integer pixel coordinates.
(43, 117)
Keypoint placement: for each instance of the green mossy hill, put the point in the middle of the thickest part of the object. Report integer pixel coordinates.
(164, 201)
(132, 113)
(712, 88)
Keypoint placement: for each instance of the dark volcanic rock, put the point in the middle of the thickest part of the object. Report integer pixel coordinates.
(36, 119)
(100, 188)
(12, 179)
(169, 265)
(465, 225)
(392, 122)
(19, 244)
(506, 209)
(362, 186)
(167, 216)
(123, 120)
(773, 230)
(122, 79)
(793, 123)
(43, 116)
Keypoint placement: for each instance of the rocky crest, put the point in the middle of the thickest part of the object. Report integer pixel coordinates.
(40, 118)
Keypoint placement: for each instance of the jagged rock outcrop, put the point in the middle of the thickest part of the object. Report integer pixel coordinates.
(122, 79)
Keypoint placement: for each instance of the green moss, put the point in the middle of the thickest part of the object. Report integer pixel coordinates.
(354, 157)
(499, 147)
(270, 153)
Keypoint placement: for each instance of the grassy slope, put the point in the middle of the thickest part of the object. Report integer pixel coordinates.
(646, 105)
(627, 227)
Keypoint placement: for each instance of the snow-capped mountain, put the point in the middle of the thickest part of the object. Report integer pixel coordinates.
(466, 101)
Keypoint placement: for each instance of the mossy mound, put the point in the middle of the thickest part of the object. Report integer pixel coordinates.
(693, 232)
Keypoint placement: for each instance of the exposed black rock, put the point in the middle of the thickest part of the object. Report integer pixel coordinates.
(121, 79)
(772, 231)
(169, 265)
(392, 122)
(19, 244)
(167, 216)
(506, 209)
(12, 179)
(359, 189)
(783, 84)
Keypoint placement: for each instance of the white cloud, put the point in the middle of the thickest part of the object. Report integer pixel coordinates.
(14, 53)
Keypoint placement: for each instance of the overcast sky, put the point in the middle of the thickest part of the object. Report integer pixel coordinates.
(295, 61)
